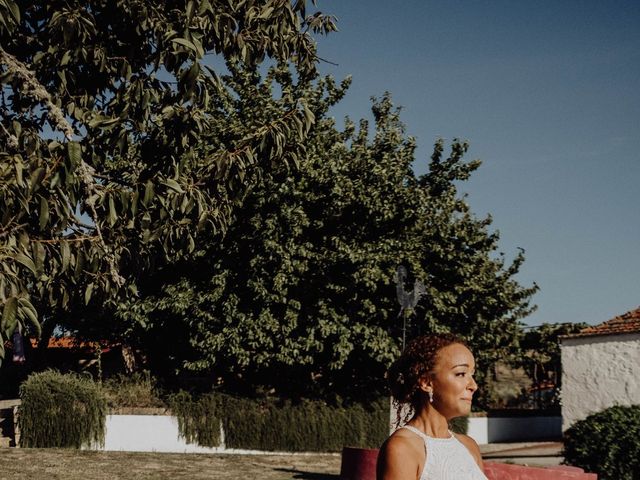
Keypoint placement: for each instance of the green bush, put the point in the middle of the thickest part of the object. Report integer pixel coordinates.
(606, 443)
(138, 389)
(61, 411)
(459, 425)
(276, 425)
(198, 419)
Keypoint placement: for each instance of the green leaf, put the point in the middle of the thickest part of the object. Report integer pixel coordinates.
(19, 169)
(28, 310)
(190, 9)
(44, 213)
(148, 193)
(9, 318)
(185, 43)
(26, 261)
(74, 150)
(266, 13)
(17, 128)
(14, 10)
(80, 260)
(173, 185)
(112, 217)
(65, 254)
(87, 293)
(36, 179)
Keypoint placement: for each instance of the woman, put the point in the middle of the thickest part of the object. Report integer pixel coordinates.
(434, 376)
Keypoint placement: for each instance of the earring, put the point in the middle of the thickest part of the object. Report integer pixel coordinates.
(430, 396)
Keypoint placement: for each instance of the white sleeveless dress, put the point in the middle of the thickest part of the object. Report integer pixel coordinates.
(447, 459)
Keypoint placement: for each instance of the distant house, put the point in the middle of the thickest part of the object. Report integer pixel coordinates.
(68, 353)
(601, 367)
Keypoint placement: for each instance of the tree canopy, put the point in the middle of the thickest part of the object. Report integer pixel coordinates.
(172, 177)
(299, 298)
(124, 138)
(541, 360)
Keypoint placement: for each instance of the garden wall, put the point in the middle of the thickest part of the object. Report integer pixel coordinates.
(156, 433)
(514, 426)
(159, 432)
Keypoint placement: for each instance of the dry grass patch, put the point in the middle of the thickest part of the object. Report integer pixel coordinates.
(27, 463)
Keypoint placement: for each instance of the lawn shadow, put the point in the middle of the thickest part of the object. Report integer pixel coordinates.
(309, 475)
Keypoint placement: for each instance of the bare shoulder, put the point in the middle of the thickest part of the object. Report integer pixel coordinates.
(402, 443)
(472, 446)
(399, 456)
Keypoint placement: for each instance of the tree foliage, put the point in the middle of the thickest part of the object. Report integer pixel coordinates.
(123, 137)
(541, 360)
(138, 132)
(300, 297)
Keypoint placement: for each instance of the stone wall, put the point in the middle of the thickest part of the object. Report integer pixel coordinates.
(9, 433)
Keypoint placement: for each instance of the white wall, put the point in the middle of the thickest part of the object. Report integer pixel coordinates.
(479, 429)
(598, 373)
(523, 429)
(147, 433)
(514, 429)
(159, 433)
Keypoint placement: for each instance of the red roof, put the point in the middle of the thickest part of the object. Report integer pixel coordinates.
(627, 323)
(71, 343)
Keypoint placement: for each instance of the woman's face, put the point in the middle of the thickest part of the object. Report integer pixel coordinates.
(452, 381)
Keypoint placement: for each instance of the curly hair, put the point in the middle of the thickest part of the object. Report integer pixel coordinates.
(405, 374)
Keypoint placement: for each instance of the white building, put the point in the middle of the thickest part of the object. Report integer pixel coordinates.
(601, 367)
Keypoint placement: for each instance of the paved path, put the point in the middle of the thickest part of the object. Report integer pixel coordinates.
(532, 453)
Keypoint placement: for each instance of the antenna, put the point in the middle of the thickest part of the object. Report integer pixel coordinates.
(407, 299)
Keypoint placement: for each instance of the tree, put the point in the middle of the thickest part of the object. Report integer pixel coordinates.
(121, 144)
(541, 359)
(300, 297)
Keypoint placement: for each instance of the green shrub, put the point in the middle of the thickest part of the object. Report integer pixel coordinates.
(275, 425)
(135, 390)
(606, 443)
(459, 425)
(61, 411)
(198, 419)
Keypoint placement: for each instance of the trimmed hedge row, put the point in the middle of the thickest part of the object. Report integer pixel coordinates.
(606, 443)
(61, 411)
(273, 425)
(70, 411)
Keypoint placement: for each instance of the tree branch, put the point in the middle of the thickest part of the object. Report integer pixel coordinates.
(35, 89)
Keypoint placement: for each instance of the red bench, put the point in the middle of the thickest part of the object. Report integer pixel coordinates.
(360, 464)
(503, 471)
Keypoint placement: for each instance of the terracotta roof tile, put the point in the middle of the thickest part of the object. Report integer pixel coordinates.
(627, 323)
(71, 343)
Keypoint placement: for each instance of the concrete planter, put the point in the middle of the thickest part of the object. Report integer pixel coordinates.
(358, 463)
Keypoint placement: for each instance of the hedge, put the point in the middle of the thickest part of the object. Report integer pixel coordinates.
(606, 443)
(273, 425)
(459, 425)
(61, 411)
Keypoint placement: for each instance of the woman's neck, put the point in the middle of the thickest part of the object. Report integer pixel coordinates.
(431, 422)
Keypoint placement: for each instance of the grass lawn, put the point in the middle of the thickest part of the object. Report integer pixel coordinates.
(32, 463)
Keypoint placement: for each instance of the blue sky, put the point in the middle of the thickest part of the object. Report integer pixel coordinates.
(547, 94)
